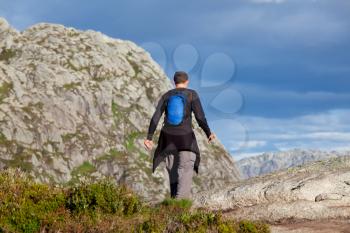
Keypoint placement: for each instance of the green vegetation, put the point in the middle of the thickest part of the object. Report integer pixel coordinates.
(115, 111)
(3, 139)
(84, 169)
(68, 137)
(112, 153)
(181, 203)
(130, 140)
(7, 54)
(5, 89)
(101, 206)
(71, 86)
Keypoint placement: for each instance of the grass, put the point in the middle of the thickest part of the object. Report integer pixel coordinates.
(180, 203)
(101, 206)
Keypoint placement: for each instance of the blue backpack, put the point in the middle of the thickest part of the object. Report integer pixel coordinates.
(176, 108)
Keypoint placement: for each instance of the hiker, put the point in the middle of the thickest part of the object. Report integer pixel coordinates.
(177, 143)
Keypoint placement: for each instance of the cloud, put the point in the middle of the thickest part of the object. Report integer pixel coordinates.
(326, 131)
(265, 101)
(268, 1)
(295, 23)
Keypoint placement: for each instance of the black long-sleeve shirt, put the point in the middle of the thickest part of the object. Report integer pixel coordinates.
(181, 137)
(194, 106)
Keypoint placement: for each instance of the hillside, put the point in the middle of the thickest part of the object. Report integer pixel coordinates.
(274, 161)
(76, 104)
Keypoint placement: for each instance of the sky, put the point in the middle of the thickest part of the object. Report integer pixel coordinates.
(272, 74)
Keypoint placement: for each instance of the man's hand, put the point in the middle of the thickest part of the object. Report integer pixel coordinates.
(211, 137)
(148, 144)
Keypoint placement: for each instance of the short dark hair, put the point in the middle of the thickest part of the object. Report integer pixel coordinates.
(180, 77)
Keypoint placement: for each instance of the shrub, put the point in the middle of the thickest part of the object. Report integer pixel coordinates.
(24, 204)
(102, 206)
(103, 196)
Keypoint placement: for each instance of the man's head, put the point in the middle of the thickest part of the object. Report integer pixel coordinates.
(181, 79)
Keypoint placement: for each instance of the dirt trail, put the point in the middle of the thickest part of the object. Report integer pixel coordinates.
(321, 226)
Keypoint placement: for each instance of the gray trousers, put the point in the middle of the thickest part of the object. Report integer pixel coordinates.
(180, 169)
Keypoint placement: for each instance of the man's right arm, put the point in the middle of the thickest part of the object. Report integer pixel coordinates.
(199, 114)
(156, 117)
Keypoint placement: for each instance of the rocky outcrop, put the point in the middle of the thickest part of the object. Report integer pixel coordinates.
(315, 191)
(77, 104)
(274, 161)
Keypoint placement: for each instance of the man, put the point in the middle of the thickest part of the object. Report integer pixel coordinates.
(177, 144)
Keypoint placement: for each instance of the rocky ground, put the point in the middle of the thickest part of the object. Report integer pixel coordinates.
(299, 197)
(317, 226)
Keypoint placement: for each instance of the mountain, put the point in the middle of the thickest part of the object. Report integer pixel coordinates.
(76, 105)
(274, 161)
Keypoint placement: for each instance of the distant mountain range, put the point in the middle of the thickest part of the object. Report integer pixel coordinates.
(274, 161)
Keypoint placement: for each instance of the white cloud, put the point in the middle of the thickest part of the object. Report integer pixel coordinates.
(325, 131)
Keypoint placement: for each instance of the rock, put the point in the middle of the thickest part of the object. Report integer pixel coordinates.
(328, 196)
(314, 191)
(81, 102)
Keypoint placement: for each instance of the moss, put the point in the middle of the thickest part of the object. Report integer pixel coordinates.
(4, 141)
(115, 110)
(78, 135)
(67, 137)
(130, 140)
(7, 54)
(112, 154)
(71, 66)
(20, 157)
(71, 86)
(84, 169)
(143, 156)
(5, 89)
(31, 110)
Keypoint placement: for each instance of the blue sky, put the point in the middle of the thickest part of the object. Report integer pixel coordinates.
(272, 74)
